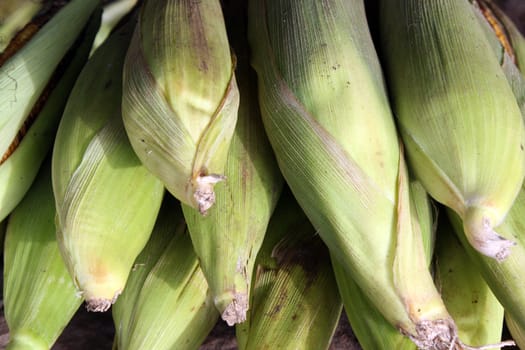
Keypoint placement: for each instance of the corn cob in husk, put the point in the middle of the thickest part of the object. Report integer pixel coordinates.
(370, 327)
(107, 201)
(39, 294)
(326, 114)
(507, 44)
(36, 75)
(180, 98)
(505, 279)
(174, 308)
(475, 309)
(456, 112)
(294, 302)
(228, 238)
(169, 221)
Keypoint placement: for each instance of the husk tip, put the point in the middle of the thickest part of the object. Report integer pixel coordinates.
(235, 311)
(482, 236)
(435, 334)
(101, 304)
(203, 192)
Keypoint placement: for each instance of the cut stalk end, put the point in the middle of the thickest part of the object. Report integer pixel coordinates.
(442, 335)
(438, 334)
(101, 304)
(235, 311)
(204, 194)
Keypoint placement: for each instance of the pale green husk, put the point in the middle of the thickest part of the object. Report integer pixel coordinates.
(517, 332)
(180, 98)
(505, 279)
(370, 327)
(24, 76)
(174, 309)
(169, 222)
(456, 112)
(107, 201)
(19, 170)
(468, 298)
(295, 302)
(327, 116)
(228, 238)
(39, 294)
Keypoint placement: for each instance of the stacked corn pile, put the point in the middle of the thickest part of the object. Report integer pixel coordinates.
(270, 166)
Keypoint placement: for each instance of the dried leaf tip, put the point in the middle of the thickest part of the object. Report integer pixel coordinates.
(204, 194)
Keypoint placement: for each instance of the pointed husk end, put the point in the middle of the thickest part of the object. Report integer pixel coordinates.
(203, 191)
(235, 311)
(479, 230)
(438, 334)
(442, 335)
(101, 304)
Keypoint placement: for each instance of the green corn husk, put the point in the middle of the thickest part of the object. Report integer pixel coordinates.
(370, 327)
(14, 15)
(169, 221)
(506, 31)
(39, 295)
(512, 57)
(112, 13)
(27, 72)
(107, 201)
(294, 303)
(456, 112)
(180, 98)
(507, 44)
(517, 332)
(174, 308)
(326, 113)
(505, 279)
(471, 303)
(372, 330)
(37, 115)
(228, 238)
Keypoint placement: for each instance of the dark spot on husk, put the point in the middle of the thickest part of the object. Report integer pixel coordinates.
(199, 36)
(309, 253)
(281, 300)
(275, 310)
